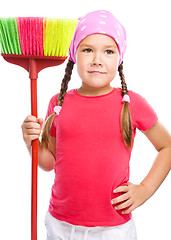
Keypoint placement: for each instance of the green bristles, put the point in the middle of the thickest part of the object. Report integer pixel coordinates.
(58, 34)
(9, 38)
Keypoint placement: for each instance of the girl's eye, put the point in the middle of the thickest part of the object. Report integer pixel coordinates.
(109, 52)
(87, 50)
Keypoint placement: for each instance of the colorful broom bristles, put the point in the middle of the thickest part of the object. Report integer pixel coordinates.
(31, 35)
(9, 37)
(36, 36)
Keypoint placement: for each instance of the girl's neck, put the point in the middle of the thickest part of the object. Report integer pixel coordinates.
(91, 91)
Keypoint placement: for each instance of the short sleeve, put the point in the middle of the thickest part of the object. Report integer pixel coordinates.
(142, 114)
(50, 110)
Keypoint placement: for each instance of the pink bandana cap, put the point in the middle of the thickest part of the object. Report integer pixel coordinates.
(102, 22)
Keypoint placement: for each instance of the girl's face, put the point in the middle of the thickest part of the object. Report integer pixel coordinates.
(97, 59)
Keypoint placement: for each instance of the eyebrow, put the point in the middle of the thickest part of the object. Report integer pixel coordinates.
(110, 46)
(105, 46)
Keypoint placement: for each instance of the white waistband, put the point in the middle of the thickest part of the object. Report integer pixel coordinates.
(73, 232)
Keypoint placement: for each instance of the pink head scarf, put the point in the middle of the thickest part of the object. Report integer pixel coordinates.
(102, 22)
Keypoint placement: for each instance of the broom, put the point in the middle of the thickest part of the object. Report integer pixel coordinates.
(35, 43)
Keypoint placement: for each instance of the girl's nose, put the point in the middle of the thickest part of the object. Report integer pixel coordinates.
(97, 59)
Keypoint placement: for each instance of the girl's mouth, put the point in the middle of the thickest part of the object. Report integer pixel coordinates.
(96, 72)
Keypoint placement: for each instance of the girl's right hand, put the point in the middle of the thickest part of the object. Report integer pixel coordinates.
(31, 129)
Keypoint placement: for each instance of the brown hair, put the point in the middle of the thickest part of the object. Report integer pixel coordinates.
(126, 127)
(64, 86)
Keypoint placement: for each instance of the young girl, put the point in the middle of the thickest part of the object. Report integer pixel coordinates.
(88, 139)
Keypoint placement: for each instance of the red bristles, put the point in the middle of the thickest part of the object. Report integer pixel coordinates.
(31, 35)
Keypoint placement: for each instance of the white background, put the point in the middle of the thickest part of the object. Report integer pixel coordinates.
(147, 71)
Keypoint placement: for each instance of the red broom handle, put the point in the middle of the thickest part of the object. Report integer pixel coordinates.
(34, 65)
(33, 78)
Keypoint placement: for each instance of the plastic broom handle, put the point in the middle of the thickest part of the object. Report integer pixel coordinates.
(33, 80)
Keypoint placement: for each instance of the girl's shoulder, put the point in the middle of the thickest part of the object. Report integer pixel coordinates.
(134, 94)
(135, 97)
(54, 99)
(142, 113)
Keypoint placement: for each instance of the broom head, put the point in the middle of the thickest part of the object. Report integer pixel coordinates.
(46, 40)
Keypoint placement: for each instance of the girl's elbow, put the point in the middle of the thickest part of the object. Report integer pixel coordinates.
(46, 165)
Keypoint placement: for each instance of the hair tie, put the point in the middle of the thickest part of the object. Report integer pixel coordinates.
(57, 109)
(126, 98)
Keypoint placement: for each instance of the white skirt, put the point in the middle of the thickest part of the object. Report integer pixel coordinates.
(60, 230)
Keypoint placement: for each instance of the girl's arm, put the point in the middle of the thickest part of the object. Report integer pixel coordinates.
(135, 195)
(31, 129)
(47, 157)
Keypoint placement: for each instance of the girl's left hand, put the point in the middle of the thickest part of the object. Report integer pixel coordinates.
(133, 196)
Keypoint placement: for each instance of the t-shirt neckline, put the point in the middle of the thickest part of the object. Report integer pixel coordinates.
(98, 96)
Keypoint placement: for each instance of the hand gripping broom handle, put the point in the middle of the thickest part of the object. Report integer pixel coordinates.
(33, 75)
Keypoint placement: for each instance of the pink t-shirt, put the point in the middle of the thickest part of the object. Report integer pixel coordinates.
(91, 158)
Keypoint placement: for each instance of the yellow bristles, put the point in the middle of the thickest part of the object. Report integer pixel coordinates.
(58, 34)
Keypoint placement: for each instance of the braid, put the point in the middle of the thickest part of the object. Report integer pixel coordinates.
(64, 86)
(123, 83)
(126, 126)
